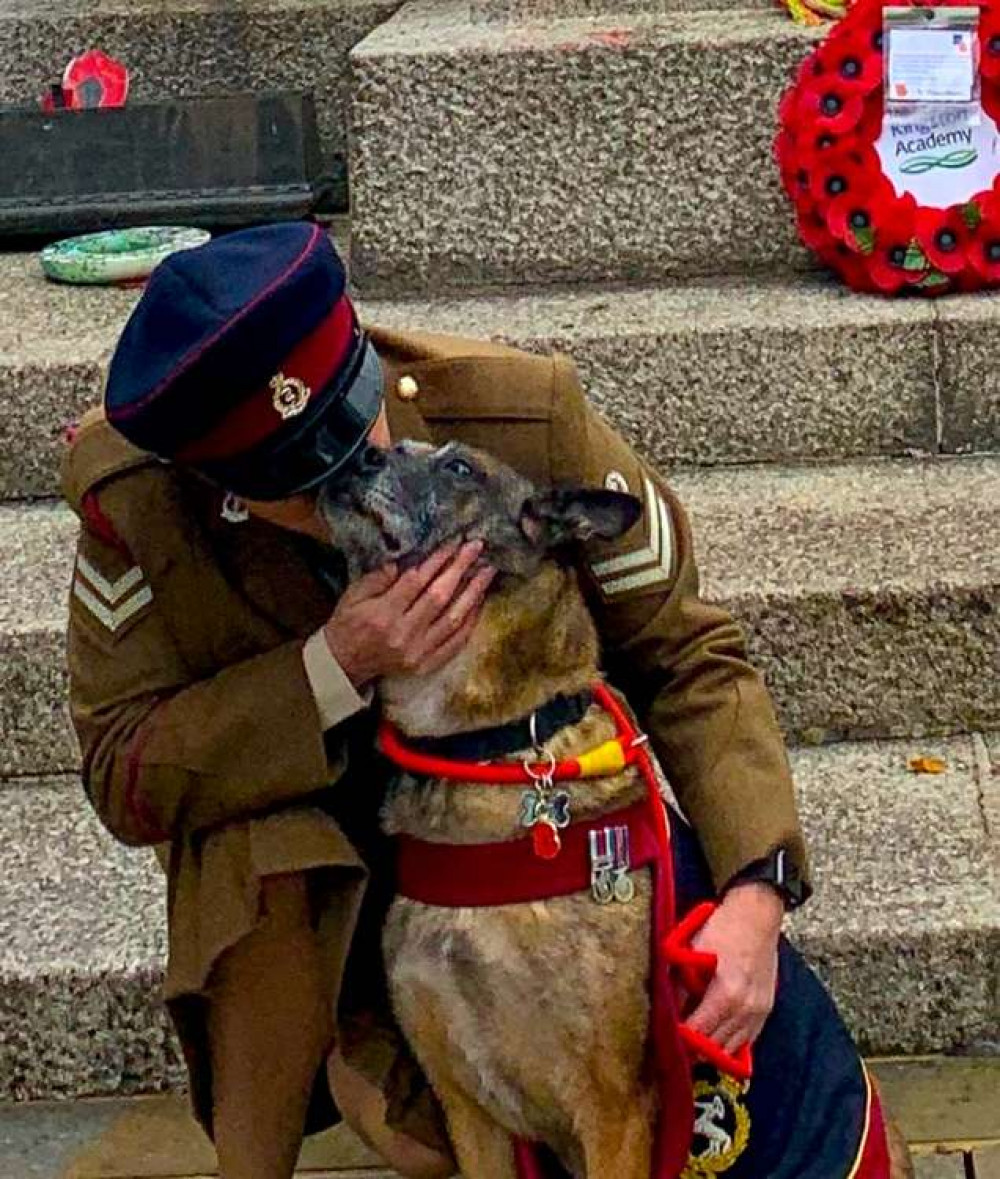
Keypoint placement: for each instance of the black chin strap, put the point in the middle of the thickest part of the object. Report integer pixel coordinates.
(529, 731)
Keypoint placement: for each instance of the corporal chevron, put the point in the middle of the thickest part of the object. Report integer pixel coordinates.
(645, 567)
(112, 603)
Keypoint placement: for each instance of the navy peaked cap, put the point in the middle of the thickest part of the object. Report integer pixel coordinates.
(244, 359)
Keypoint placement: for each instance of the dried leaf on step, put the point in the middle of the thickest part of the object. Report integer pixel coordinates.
(927, 765)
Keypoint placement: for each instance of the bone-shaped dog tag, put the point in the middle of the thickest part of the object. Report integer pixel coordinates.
(545, 815)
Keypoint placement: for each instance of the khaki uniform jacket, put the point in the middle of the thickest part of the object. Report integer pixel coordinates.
(200, 730)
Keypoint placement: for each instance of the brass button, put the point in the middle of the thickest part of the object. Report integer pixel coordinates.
(407, 389)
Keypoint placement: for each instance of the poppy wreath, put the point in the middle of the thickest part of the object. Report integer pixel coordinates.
(848, 212)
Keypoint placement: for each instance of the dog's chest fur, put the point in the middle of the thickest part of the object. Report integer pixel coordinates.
(515, 1007)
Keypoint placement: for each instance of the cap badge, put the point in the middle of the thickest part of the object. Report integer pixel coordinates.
(290, 396)
(234, 510)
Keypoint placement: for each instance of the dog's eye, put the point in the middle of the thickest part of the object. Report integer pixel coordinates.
(459, 467)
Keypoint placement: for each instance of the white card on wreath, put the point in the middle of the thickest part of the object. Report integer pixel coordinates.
(931, 65)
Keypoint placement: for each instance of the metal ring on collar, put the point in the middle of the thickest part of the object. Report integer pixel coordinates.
(541, 775)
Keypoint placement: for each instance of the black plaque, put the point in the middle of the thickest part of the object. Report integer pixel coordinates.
(217, 163)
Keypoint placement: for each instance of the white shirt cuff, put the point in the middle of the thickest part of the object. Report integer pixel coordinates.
(336, 697)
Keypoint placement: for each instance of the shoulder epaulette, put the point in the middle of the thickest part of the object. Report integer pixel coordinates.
(96, 454)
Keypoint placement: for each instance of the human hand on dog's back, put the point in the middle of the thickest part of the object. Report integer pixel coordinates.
(389, 622)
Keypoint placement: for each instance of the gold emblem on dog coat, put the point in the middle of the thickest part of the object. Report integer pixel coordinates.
(722, 1125)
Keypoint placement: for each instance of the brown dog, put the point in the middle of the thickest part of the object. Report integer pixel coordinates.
(531, 1020)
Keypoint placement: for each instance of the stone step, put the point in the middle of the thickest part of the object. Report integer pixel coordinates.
(704, 373)
(870, 592)
(36, 549)
(55, 344)
(905, 926)
(186, 48)
(535, 11)
(629, 145)
(755, 370)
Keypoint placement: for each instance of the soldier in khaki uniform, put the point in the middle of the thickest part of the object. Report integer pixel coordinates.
(221, 676)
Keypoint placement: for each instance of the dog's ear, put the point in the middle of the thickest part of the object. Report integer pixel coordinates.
(552, 518)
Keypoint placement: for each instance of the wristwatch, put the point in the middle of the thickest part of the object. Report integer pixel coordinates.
(781, 872)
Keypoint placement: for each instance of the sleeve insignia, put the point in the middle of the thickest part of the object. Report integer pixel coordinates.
(649, 566)
(112, 603)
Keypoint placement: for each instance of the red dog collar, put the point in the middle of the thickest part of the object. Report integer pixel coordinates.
(607, 759)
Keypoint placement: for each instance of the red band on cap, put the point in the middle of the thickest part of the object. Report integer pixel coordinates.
(306, 371)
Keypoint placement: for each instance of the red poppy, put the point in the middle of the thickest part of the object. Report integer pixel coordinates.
(794, 169)
(983, 250)
(944, 235)
(809, 71)
(815, 140)
(869, 128)
(897, 261)
(857, 217)
(855, 271)
(849, 266)
(786, 157)
(874, 33)
(799, 157)
(867, 14)
(787, 107)
(834, 174)
(830, 106)
(95, 80)
(809, 68)
(989, 44)
(851, 59)
(813, 230)
(990, 98)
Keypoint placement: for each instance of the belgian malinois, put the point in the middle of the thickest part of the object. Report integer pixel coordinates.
(532, 1020)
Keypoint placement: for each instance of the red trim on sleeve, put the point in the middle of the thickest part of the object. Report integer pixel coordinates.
(100, 526)
(315, 360)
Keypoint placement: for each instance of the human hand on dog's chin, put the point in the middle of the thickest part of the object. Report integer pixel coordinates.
(743, 934)
(392, 623)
